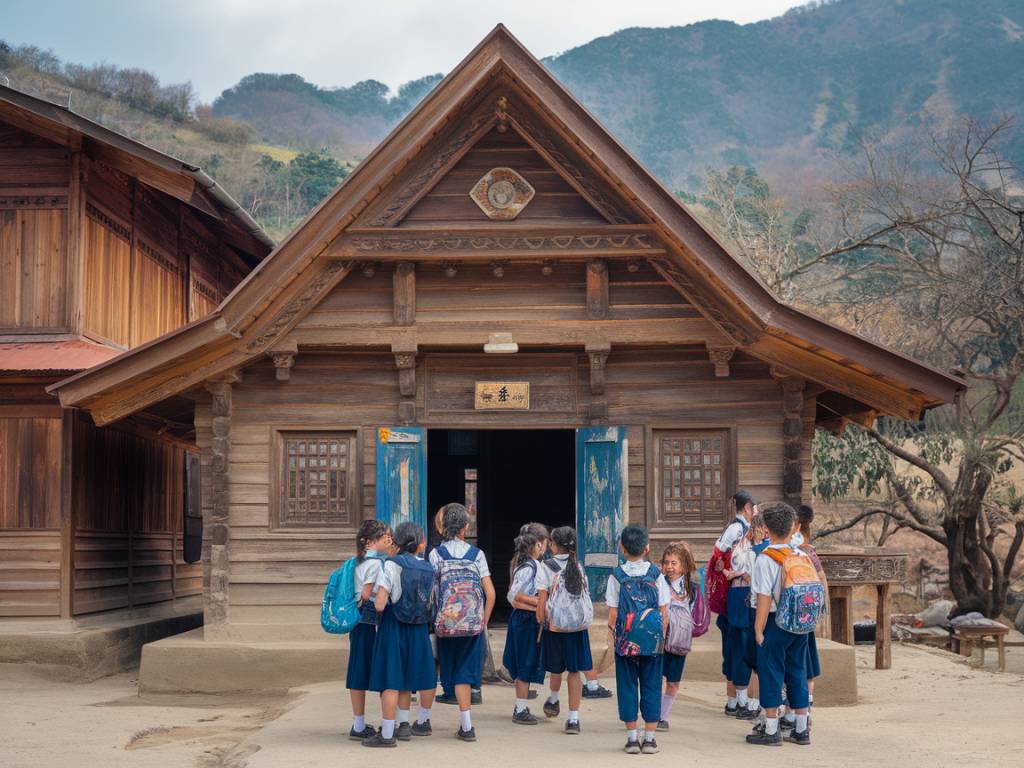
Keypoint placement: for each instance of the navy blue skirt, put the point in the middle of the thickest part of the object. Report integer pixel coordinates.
(567, 651)
(738, 607)
(402, 657)
(672, 667)
(461, 660)
(722, 622)
(813, 663)
(360, 657)
(523, 657)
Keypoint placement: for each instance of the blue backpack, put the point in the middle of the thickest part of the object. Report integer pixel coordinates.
(638, 624)
(417, 605)
(340, 610)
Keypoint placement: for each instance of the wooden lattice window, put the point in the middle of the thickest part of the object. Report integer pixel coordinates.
(317, 479)
(693, 473)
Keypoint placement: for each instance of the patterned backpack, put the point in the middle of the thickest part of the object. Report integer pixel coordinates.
(638, 627)
(417, 604)
(460, 611)
(802, 596)
(567, 612)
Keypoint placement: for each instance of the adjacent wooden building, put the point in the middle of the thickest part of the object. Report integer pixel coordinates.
(105, 245)
(502, 306)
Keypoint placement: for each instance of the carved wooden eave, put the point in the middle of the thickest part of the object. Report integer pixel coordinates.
(501, 84)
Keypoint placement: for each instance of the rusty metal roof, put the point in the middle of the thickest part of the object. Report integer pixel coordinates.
(53, 356)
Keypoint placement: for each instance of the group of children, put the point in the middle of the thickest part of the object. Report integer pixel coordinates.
(421, 620)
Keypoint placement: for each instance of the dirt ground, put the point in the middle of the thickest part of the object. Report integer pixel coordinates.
(931, 709)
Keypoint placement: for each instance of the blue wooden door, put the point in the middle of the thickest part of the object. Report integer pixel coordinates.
(601, 500)
(402, 475)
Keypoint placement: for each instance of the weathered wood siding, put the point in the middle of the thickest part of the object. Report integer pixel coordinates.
(30, 573)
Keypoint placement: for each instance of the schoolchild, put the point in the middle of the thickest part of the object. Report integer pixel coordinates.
(522, 657)
(781, 654)
(373, 543)
(465, 602)
(638, 596)
(565, 610)
(403, 661)
(679, 570)
(742, 649)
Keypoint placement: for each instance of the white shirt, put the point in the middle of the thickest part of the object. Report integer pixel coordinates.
(458, 548)
(391, 579)
(733, 532)
(679, 586)
(743, 557)
(797, 540)
(766, 579)
(546, 577)
(524, 580)
(635, 568)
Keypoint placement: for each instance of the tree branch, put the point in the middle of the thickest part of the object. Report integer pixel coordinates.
(936, 474)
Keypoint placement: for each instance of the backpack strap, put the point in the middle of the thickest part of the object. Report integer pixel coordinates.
(620, 574)
(552, 565)
(777, 554)
(653, 573)
(443, 553)
(471, 554)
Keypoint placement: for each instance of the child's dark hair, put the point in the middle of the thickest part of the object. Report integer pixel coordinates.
(634, 539)
(454, 520)
(369, 530)
(778, 518)
(565, 538)
(681, 550)
(407, 537)
(805, 516)
(524, 544)
(539, 530)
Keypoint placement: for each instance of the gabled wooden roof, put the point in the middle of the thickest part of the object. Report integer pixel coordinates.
(375, 198)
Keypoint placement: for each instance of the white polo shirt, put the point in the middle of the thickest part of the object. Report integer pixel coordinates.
(458, 548)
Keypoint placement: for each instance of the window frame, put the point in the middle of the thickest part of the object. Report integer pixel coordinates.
(652, 456)
(279, 485)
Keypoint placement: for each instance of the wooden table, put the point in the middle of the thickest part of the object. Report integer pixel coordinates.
(846, 569)
(964, 639)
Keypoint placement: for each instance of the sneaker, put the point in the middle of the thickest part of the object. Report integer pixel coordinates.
(366, 733)
(650, 747)
(421, 729)
(762, 739)
(572, 727)
(523, 717)
(403, 732)
(729, 711)
(632, 747)
(378, 741)
(745, 713)
(552, 708)
(598, 693)
(803, 739)
(662, 725)
(443, 699)
(787, 725)
(469, 735)
(476, 697)
(531, 694)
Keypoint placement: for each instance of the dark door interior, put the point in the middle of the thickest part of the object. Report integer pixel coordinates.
(521, 475)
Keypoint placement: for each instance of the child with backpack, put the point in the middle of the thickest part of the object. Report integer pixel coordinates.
(565, 610)
(638, 596)
(465, 595)
(789, 602)
(740, 610)
(522, 657)
(373, 543)
(403, 661)
(679, 569)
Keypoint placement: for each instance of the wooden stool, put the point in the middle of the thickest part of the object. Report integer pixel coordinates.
(964, 639)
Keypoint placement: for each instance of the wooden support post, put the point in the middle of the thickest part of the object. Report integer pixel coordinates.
(75, 236)
(841, 610)
(68, 522)
(792, 437)
(598, 352)
(597, 289)
(721, 356)
(217, 523)
(405, 293)
(883, 628)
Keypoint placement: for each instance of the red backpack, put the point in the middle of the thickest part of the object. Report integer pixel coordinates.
(716, 586)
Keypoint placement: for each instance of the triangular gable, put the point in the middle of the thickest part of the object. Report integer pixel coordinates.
(412, 163)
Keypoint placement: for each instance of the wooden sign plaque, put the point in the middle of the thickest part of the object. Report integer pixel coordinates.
(502, 396)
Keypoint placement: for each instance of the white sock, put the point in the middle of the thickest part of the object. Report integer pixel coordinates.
(592, 685)
(771, 725)
(648, 735)
(753, 705)
(631, 734)
(358, 723)
(731, 702)
(466, 719)
(810, 700)
(741, 697)
(574, 715)
(520, 705)
(666, 705)
(801, 723)
(789, 717)
(424, 715)
(553, 698)
(387, 728)
(403, 716)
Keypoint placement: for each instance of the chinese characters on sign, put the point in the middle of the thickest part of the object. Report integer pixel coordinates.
(502, 395)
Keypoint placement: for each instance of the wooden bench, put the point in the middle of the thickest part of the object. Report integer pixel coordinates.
(964, 639)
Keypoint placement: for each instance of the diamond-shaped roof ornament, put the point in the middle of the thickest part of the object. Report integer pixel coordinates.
(502, 193)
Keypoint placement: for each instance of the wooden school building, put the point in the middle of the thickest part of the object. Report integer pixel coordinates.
(105, 245)
(499, 306)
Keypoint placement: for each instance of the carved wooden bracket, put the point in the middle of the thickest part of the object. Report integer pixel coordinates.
(498, 268)
(597, 289)
(721, 356)
(283, 362)
(369, 268)
(501, 113)
(405, 362)
(598, 354)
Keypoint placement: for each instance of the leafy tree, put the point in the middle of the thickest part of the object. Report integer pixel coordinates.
(314, 176)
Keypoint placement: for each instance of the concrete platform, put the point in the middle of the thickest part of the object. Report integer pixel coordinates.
(92, 647)
(188, 663)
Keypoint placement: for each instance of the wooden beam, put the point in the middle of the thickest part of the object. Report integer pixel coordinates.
(404, 298)
(75, 237)
(597, 289)
(68, 518)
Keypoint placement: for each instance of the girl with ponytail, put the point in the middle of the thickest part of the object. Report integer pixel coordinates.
(522, 656)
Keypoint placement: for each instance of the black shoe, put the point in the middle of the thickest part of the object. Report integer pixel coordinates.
(763, 739)
(367, 732)
(476, 697)
(444, 699)
(552, 708)
(787, 725)
(378, 741)
(662, 725)
(729, 711)
(469, 735)
(523, 717)
(650, 747)
(598, 693)
(572, 727)
(803, 739)
(745, 713)
(632, 747)
(403, 732)
(421, 729)
(531, 695)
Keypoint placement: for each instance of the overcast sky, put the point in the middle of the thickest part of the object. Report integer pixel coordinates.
(214, 43)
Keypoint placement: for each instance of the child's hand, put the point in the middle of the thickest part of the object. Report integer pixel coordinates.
(759, 637)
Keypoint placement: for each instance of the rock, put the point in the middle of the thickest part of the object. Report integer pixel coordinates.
(1018, 623)
(1014, 601)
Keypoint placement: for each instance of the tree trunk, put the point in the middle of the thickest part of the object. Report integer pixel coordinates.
(970, 575)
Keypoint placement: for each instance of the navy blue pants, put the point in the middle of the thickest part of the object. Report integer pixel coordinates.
(782, 658)
(638, 686)
(813, 663)
(723, 625)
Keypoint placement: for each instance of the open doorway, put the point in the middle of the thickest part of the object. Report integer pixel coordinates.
(516, 476)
